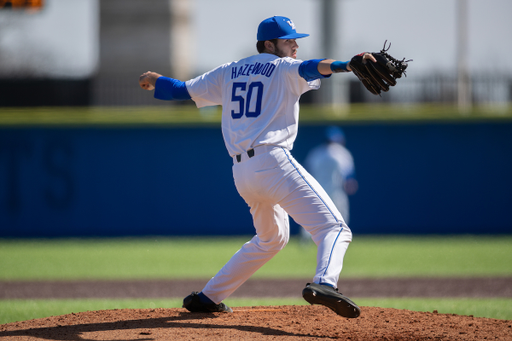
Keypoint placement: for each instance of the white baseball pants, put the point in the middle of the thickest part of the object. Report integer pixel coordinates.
(275, 185)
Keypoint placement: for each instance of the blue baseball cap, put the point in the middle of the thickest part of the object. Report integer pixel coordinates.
(278, 28)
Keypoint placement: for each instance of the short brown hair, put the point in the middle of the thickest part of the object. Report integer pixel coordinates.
(260, 45)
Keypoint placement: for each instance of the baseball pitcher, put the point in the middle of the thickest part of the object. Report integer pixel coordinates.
(259, 96)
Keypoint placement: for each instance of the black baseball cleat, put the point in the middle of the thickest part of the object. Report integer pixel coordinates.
(331, 298)
(193, 304)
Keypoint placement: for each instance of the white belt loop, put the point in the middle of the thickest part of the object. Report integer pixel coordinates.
(265, 148)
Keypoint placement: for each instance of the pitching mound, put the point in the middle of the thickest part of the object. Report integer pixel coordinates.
(258, 323)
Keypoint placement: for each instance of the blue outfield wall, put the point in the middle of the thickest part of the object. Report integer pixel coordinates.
(414, 178)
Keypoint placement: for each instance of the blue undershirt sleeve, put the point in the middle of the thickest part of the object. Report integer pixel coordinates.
(308, 70)
(170, 89)
(338, 66)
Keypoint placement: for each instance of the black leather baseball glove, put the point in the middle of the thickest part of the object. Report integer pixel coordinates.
(378, 76)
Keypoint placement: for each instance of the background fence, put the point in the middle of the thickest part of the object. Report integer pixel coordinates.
(433, 178)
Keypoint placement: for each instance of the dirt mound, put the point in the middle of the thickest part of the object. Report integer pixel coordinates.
(258, 323)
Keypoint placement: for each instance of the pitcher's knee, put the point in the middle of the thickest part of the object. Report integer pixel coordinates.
(275, 244)
(340, 229)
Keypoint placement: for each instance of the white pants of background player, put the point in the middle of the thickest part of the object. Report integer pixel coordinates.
(275, 185)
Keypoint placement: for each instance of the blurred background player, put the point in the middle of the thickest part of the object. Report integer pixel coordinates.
(332, 165)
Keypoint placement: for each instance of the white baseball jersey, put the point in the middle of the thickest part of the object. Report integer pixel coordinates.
(259, 97)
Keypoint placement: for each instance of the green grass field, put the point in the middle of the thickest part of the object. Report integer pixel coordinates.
(166, 258)
(161, 257)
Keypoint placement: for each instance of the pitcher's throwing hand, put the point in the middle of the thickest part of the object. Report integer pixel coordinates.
(148, 79)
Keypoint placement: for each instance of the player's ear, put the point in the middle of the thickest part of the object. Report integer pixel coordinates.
(269, 46)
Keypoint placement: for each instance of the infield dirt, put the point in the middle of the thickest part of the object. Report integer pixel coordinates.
(259, 323)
